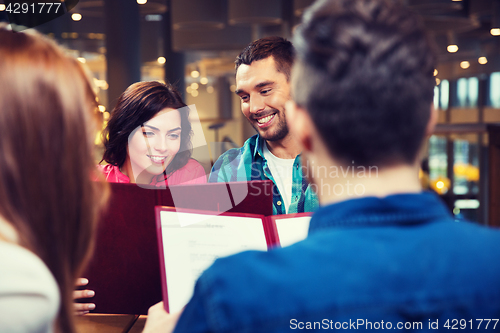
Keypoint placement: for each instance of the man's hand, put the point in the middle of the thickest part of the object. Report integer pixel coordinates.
(83, 308)
(159, 321)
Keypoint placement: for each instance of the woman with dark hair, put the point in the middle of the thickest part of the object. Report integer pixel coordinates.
(148, 138)
(48, 203)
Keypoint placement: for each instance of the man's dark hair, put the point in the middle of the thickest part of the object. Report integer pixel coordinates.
(279, 48)
(137, 105)
(365, 74)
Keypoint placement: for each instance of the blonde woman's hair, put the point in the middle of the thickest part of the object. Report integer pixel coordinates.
(47, 109)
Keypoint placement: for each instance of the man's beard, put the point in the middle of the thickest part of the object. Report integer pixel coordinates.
(279, 133)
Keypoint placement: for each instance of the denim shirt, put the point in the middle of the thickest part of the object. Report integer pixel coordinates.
(248, 163)
(394, 262)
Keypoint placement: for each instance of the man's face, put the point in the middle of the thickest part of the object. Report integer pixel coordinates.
(263, 92)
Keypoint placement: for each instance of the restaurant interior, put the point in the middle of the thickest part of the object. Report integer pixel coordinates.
(193, 43)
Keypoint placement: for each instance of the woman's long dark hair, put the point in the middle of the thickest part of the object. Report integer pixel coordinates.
(46, 158)
(138, 104)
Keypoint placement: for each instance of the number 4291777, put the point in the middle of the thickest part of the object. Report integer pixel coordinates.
(455, 324)
(33, 8)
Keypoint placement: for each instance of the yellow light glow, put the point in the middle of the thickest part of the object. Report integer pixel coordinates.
(76, 17)
(203, 80)
(195, 74)
(210, 89)
(194, 93)
(495, 31)
(482, 60)
(438, 81)
(102, 108)
(440, 185)
(142, 2)
(436, 72)
(105, 115)
(188, 89)
(194, 86)
(472, 173)
(465, 64)
(161, 60)
(82, 60)
(452, 48)
(2, 7)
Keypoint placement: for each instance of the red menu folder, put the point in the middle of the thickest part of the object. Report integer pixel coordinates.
(190, 240)
(124, 269)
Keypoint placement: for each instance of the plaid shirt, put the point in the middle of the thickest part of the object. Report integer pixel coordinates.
(248, 163)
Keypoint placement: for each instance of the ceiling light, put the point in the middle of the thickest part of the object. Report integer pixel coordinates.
(210, 89)
(452, 48)
(2, 7)
(102, 108)
(161, 60)
(465, 64)
(438, 81)
(194, 86)
(195, 74)
(194, 93)
(142, 2)
(482, 60)
(82, 60)
(495, 31)
(76, 16)
(203, 80)
(436, 72)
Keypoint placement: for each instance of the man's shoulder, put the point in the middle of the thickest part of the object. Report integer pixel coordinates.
(355, 269)
(247, 148)
(230, 162)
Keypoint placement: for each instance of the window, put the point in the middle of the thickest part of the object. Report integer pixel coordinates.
(495, 90)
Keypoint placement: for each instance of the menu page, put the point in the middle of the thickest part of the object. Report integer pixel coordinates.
(192, 242)
(292, 230)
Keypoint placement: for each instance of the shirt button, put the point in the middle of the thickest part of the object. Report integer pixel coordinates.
(297, 167)
(279, 203)
(296, 198)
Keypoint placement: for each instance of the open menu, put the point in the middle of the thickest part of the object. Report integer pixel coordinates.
(191, 240)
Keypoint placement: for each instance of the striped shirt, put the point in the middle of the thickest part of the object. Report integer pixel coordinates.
(248, 163)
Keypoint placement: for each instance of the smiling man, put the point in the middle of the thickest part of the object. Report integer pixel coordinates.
(263, 84)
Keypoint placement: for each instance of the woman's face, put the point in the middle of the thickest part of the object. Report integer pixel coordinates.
(152, 146)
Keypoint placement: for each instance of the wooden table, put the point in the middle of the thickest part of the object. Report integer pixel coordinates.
(109, 323)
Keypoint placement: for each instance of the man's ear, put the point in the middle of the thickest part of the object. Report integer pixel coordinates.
(300, 124)
(433, 119)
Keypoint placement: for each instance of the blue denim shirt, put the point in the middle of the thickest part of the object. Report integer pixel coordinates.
(248, 163)
(367, 263)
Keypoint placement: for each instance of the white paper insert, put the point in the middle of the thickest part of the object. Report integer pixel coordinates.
(191, 248)
(292, 230)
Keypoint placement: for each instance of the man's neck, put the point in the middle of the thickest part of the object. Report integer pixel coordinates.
(339, 183)
(286, 148)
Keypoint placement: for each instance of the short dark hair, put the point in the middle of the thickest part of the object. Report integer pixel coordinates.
(138, 104)
(365, 74)
(279, 48)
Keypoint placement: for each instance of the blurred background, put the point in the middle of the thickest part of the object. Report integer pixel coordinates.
(193, 43)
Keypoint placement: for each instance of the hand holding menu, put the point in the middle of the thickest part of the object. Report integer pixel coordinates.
(190, 241)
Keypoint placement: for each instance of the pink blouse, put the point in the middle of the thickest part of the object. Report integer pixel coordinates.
(191, 173)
